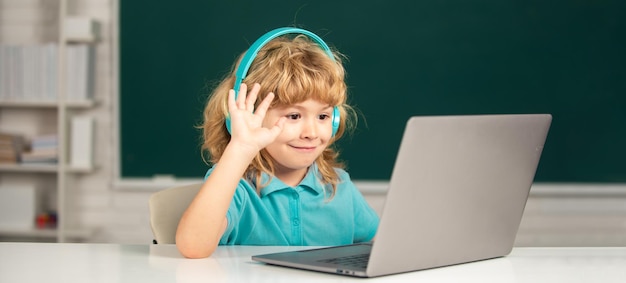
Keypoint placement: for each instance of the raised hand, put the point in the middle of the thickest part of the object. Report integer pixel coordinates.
(246, 123)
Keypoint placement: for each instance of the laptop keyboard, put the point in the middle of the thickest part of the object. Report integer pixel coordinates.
(359, 261)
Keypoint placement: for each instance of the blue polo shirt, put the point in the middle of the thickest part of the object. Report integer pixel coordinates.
(300, 216)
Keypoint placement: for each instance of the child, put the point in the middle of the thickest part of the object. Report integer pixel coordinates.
(276, 179)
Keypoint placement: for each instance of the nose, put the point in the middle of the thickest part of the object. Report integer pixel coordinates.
(309, 129)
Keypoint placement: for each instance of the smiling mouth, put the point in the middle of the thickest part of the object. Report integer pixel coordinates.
(308, 148)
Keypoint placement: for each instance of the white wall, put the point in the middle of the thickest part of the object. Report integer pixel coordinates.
(556, 215)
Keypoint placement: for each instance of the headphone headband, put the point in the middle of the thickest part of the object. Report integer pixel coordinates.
(246, 61)
(248, 57)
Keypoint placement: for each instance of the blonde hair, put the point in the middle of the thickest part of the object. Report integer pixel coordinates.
(294, 69)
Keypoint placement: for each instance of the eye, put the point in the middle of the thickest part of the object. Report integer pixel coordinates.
(324, 116)
(293, 116)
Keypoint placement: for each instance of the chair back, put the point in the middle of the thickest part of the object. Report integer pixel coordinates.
(166, 209)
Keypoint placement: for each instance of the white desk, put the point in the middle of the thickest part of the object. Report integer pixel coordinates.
(37, 262)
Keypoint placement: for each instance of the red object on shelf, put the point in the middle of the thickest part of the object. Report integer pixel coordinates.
(46, 220)
(42, 220)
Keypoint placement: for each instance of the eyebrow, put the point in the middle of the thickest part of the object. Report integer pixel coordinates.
(300, 107)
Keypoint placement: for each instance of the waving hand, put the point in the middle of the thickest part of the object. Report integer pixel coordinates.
(246, 123)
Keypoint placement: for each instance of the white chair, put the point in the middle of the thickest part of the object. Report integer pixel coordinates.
(166, 209)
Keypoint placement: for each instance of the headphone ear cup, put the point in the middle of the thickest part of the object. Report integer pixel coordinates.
(336, 119)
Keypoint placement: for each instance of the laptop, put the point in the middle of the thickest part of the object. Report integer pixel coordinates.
(456, 195)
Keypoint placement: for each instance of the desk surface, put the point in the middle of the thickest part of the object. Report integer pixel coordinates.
(39, 262)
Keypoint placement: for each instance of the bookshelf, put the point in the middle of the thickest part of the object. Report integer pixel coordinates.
(42, 99)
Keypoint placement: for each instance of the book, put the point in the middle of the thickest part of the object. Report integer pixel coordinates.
(29, 72)
(81, 143)
(43, 149)
(11, 147)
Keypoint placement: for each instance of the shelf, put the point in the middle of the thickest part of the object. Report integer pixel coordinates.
(41, 168)
(45, 104)
(46, 233)
(37, 168)
(28, 232)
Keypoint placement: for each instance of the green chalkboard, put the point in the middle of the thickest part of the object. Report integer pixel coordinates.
(406, 58)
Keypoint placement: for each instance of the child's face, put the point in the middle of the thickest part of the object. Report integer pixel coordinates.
(305, 135)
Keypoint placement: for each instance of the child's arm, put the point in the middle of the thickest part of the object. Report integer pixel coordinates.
(203, 223)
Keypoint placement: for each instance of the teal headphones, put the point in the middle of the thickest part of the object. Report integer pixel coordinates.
(247, 59)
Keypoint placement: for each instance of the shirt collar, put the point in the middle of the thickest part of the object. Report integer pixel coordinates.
(310, 181)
